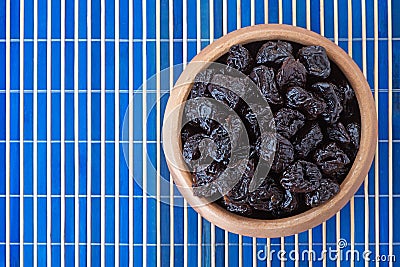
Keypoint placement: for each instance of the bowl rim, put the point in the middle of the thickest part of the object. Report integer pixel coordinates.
(295, 224)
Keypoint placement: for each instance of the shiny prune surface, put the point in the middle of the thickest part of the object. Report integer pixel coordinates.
(301, 177)
(288, 122)
(264, 78)
(307, 139)
(292, 73)
(315, 60)
(327, 92)
(284, 154)
(306, 102)
(274, 53)
(327, 189)
(332, 161)
(239, 58)
(337, 132)
(316, 136)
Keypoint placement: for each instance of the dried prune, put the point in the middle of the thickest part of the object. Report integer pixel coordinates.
(191, 149)
(283, 154)
(239, 58)
(302, 100)
(265, 146)
(337, 132)
(239, 207)
(347, 98)
(221, 149)
(290, 204)
(327, 92)
(224, 95)
(292, 73)
(354, 131)
(315, 60)
(240, 188)
(301, 177)
(307, 139)
(234, 129)
(332, 160)
(202, 183)
(228, 89)
(288, 122)
(267, 197)
(264, 78)
(274, 52)
(199, 89)
(323, 193)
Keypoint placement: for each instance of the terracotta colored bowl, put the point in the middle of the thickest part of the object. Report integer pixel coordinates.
(313, 217)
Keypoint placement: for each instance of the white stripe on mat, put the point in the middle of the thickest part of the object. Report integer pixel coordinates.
(103, 135)
(350, 50)
(390, 129)
(144, 131)
(116, 134)
(48, 133)
(8, 117)
(35, 128)
(130, 158)
(21, 130)
(76, 131)
(89, 134)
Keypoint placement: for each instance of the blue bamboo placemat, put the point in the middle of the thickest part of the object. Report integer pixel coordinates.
(68, 72)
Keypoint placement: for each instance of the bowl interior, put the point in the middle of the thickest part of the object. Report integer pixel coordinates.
(306, 220)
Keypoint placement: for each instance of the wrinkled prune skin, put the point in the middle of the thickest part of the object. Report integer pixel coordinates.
(267, 197)
(345, 93)
(201, 110)
(354, 131)
(327, 189)
(348, 99)
(290, 204)
(292, 73)
(234, 130)
(337, 132)
(202, 79)
(224, 95)
(228, 89)
(332, 161)
(191, 149)
(221, 151)
(199, 89)
(307, 140)
(264, 78)
(239, 207)
(284, 154)
(301, 177)
(327, 92)
(288, 122)
(274, 53)
(241, 188)
(239, 58)
(202, 183)
(315, 60)
(302, 100)
(265, 146)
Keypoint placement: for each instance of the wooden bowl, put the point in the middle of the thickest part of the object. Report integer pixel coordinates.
(315, 216)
